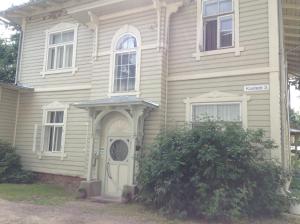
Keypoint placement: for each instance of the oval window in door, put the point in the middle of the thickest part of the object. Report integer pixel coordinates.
(119, 151)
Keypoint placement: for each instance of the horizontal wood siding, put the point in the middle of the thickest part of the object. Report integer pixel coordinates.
(8, 106)
(31, 113)
(258, 106)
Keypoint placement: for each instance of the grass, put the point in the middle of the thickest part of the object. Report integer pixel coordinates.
(40, 194)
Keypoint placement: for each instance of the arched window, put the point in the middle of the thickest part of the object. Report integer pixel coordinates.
(125, 70)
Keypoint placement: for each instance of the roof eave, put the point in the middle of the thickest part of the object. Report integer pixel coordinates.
(16, 87)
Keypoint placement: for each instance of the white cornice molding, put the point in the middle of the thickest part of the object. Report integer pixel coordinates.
(55, 105)
(92, 5)
(62, 88)
(216, 96)
(250, 71)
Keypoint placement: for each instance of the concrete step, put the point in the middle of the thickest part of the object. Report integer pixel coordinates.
(105, 199)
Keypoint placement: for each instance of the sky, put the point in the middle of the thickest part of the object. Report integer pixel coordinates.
(4, 4)
(4, 33)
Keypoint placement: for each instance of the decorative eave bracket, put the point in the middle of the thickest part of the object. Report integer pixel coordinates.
(94, 25)
(164, 12)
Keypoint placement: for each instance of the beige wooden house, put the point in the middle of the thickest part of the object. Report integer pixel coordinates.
(99, 79)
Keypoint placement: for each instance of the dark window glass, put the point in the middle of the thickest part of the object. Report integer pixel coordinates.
(211, 35)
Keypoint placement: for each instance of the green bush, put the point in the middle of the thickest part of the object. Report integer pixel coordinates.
(10, 166)
(212, 171)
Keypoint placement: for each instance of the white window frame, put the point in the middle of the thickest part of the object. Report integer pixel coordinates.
(217, 97)
(217, 103)
(62, 27)
(131, 30)
(54, 107)
(236, 49)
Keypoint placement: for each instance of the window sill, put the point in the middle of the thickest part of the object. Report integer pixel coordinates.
(124, 94)
(236, 50)
(53, 154)
(60, 71)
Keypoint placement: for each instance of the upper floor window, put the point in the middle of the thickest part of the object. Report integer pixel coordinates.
(218, 17)
(60, 50)
(125, 64)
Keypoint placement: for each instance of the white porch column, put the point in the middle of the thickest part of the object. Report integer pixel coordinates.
(91, 147)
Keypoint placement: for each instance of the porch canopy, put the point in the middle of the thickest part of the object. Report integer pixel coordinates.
(291, 22)
(119, 101)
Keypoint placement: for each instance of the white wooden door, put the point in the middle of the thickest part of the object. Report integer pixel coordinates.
(117, 166)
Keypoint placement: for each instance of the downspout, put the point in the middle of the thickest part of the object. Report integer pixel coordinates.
(20, 51)
(19, 56)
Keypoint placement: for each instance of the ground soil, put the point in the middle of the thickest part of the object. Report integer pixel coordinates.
(71, 213)
(85, 212)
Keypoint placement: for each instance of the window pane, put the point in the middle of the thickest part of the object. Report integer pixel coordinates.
(131, 84)
(51, 58)
(59, 118)
(55, 38)
(124, 71)
(60, 57)
(119, 150)
(118, 72)
(229, 112)
(226, 32)
(68, 36)
(132, 58)
(225, 6)
(127, 42)
(125, 59)
(50, 138)
(202, 112)
(57, 139)
(123, 84)
(69, 56)
(219, 112)
(211, 8)
(51, 117)
(211, 35)
(132, 71)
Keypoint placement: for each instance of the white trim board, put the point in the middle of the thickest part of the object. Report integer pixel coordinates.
(274, 52)
(62, 88)
(221, 74)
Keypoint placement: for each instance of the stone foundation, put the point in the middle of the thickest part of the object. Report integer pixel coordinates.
(90, 189)
(67, 182)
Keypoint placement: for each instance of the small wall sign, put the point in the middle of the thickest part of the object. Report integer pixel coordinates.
(256, 88)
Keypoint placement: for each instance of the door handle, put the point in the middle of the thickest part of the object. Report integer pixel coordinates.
(108, 170)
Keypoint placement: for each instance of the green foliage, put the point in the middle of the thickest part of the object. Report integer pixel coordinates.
(294, 119)
(10, 166)
(212, 171)
(8, 58)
